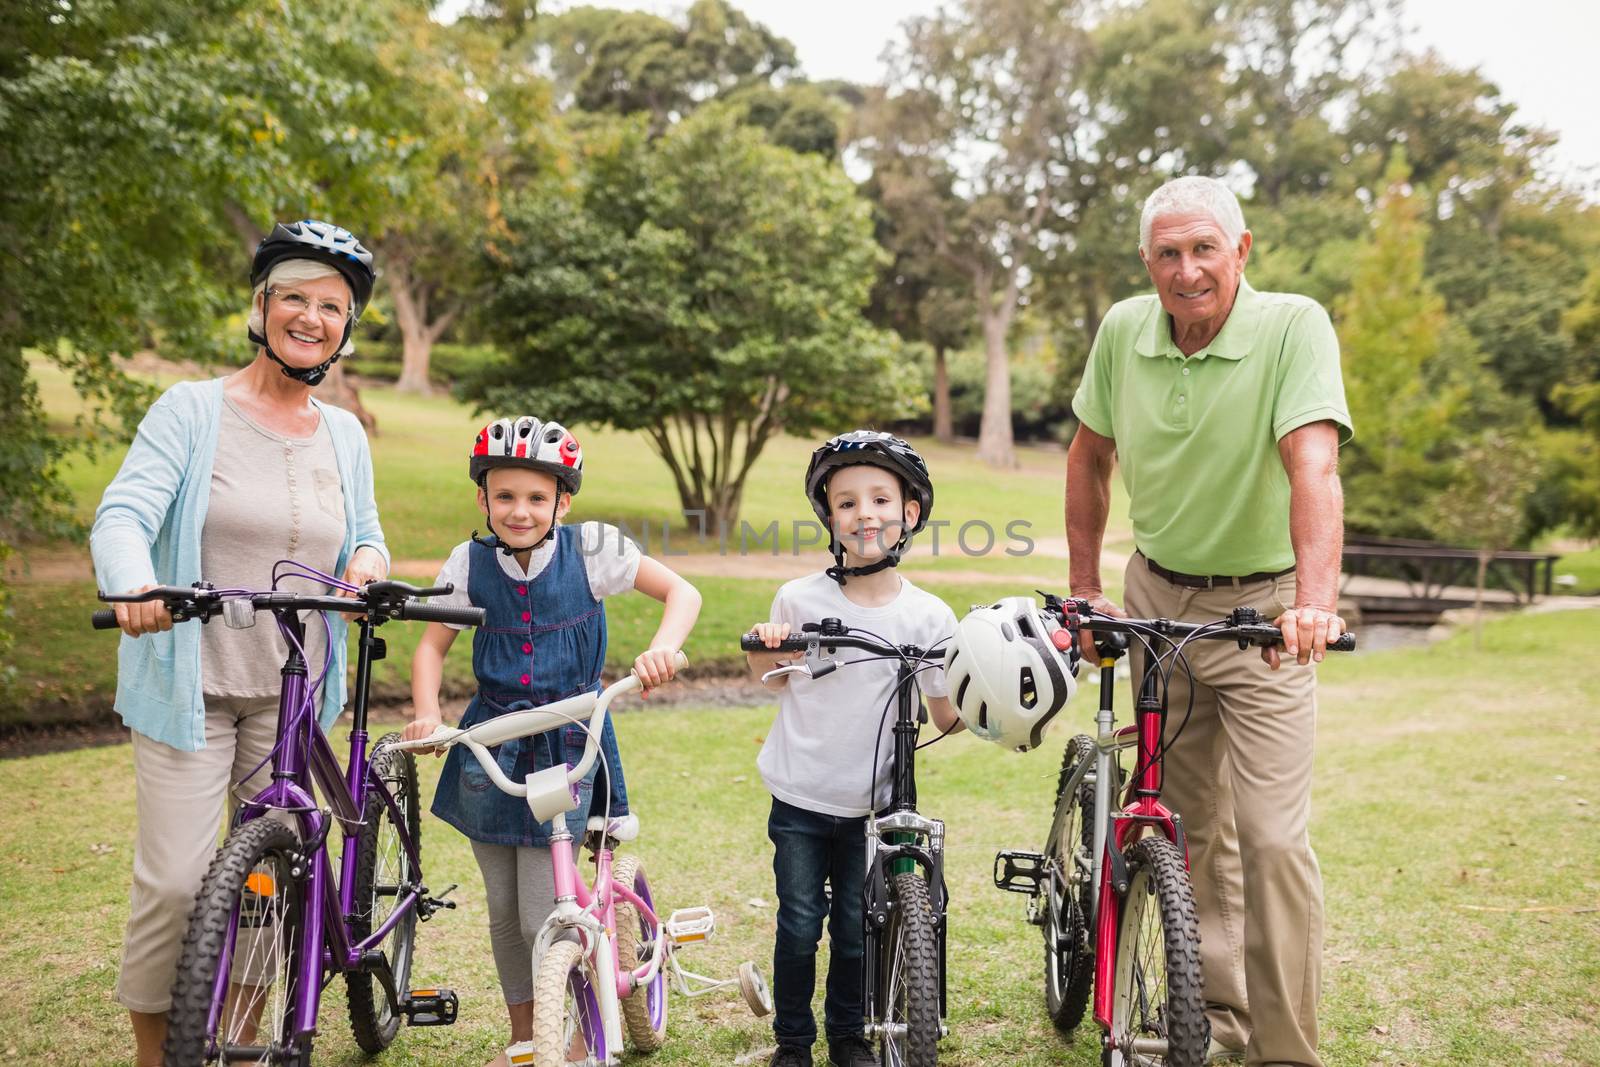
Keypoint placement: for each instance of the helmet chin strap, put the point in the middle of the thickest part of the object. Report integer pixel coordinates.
(839, 572)
(499, 543)
(311, 376)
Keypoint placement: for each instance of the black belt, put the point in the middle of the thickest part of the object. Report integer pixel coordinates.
(1208, 581)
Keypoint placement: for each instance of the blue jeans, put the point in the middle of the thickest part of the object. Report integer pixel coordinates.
(811, 849)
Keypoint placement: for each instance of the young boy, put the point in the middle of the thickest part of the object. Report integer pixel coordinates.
(543, 639)
(873, 492)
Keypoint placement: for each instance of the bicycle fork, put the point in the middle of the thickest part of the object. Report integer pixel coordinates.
(899, 843)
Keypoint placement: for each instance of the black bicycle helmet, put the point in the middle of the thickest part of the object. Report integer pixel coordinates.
(874, 448)
(322, 242)
(877, 449)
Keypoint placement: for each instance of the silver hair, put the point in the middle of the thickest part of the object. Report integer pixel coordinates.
(290, 272)
(1193, 194)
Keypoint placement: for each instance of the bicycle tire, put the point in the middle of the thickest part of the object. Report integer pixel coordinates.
(644, 1011)
(382, 868)
(251, 884)
(1068, 893)
(1156, 989)
(564, 1005)
(908, 1035)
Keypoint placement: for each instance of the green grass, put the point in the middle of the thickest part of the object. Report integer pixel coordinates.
(1460, 865)
(427, 504)
(1585, 567)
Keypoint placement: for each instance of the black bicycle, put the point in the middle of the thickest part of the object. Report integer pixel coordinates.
(904, 963)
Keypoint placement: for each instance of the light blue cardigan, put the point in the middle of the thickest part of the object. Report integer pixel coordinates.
(147, 531)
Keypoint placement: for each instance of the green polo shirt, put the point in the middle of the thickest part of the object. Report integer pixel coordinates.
(1197, 436)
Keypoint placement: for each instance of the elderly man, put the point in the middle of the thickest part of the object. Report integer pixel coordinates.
(1224, 410)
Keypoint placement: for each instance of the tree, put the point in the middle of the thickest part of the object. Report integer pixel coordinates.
(994, 85)
(1293, 68)
(705, 288)
(1484, 505)
(482, 129)
(1393, 332)
(625, 62)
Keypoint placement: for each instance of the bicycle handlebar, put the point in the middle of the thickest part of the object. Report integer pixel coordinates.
(802, 641)
(1243, 625)
(550, 787)
(386, 599)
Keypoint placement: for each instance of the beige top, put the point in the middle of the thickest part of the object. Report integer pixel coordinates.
(272, 498)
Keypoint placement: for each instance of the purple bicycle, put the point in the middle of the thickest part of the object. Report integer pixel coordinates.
(277, 916)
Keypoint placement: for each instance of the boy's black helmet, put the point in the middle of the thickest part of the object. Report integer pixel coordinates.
(877, 449)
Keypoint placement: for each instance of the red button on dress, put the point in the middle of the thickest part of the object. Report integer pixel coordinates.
(526, 616)
(524, 679)
(527, 647)
(522, 590)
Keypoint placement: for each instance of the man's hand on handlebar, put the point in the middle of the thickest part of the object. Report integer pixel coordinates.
(147, 617)
(1307, 630)
(1098, 601)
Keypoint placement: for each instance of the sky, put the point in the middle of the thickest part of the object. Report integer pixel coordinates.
(1541, 53)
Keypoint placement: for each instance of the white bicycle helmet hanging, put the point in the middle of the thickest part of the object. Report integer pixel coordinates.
(1007, 678)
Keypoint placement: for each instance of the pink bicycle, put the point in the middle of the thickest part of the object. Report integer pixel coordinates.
(602, 960)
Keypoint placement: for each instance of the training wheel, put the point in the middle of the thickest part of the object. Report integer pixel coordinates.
(754, 988)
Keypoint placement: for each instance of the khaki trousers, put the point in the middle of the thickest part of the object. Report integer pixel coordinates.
(181, 799)
(1240, 777)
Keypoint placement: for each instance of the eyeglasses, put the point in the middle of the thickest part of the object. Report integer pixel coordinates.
(299, 303)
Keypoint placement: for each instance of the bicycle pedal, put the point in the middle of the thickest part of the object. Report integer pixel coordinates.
(1019, 872)
(520, 1054)
(430, 1007)
(428, 905)
(690, 925)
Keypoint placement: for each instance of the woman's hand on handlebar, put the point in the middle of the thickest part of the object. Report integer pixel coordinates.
(1098, 601)
(1307, 631)
(655, 667)
(147, 617)
(366, 565)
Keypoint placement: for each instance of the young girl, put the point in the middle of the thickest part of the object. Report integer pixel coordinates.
(544, 638)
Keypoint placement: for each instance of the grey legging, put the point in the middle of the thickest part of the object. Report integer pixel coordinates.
(519, 887)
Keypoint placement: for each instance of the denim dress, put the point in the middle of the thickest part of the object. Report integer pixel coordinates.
(542, 640)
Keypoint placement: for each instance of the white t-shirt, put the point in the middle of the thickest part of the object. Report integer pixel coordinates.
(819, 753)
(610, 560)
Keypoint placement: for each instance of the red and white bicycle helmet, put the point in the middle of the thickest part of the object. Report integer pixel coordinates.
(527, 442)
(1007, 678)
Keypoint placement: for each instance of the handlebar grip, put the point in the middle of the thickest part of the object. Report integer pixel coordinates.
(752, 643)
(104, 619)
(1345, 642)
(420, 612)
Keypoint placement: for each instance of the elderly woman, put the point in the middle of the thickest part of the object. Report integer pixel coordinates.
(224, 478)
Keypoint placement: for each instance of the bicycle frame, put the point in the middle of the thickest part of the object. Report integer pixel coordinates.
(1124, 819)
(592, 912)
(302, 761)
(902, 838)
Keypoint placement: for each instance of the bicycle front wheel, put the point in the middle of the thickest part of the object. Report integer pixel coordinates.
(1068, 892)
(566, 1010)
(1157, 1014)
(644, 1011)
(233, 998)
(908, 1030)
(384, 873)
